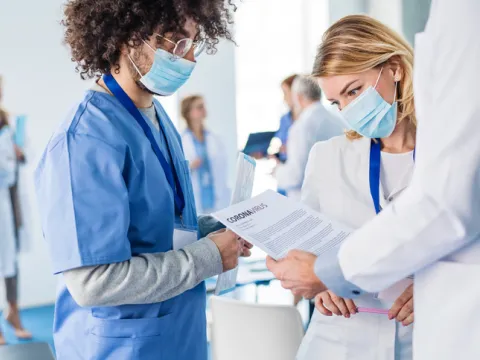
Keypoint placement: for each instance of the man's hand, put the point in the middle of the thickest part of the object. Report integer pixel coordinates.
(402, 309)
(246, 248)
(327, 303)
(296, 272)
(230, 245)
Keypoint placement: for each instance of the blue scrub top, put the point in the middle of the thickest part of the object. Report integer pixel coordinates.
(105, 198)
(282, 133)
(204, 174)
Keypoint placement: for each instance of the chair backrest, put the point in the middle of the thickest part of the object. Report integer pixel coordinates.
(243, 331)
(28, 351)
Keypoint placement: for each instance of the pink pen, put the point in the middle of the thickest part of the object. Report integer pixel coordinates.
(372, 311)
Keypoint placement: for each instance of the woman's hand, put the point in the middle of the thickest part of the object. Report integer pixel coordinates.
(19, 153)
(195, 164)
(402, 309)
(327, 303)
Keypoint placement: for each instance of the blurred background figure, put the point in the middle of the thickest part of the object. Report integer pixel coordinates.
(207, 156)
(314, 124)
(287, 119)
(10, 222)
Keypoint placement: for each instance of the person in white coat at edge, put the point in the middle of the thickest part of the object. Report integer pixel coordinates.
(432, 230)
(338, 174)
(314, 124)
(9, 158)
(207, 156)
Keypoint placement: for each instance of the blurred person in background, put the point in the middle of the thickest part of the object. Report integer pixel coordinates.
(10, 221)
(287, 119)
(314, 124)
(207, 156)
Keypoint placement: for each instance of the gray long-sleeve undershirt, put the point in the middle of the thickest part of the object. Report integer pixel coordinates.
(148, 278)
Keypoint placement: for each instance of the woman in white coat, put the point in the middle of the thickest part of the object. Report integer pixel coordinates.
(8, 243)
(365, 69)
(206, 154)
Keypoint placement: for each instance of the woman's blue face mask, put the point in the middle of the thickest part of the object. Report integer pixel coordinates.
(167, 73)
(370, 115)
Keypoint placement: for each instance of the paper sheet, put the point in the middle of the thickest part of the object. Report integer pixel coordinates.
(277, 224)
(245, 174)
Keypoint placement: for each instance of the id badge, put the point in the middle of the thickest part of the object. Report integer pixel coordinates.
(183, 237)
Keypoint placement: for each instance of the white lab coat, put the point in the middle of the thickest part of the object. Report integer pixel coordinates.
(433, 228)
(218, 161)
(337, 185)
(314, 124)
(7, 227)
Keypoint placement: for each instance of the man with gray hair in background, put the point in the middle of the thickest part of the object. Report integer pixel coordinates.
(314, 124)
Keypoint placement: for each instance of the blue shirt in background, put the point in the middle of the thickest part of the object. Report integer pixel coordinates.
(285, 122)
(204, 174)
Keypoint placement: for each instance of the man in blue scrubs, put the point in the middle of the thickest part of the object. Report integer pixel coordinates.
(116, 199)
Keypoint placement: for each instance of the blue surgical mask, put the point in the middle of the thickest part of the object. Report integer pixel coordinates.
(167, 73)
(370, 115)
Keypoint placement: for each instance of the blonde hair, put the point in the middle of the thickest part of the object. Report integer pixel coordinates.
(186, 106)
(358, 43)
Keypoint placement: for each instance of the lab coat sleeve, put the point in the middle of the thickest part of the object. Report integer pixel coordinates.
(438, 214)
(7, 159)
(84, 202)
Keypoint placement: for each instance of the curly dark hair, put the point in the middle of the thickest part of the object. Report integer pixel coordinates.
(96, 30)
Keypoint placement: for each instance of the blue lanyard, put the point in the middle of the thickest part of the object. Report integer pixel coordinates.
(374, 173)
(172, 176)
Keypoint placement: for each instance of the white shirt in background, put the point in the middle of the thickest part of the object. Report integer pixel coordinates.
(314, 124)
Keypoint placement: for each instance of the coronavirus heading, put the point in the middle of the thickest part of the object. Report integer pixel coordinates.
(246, 213)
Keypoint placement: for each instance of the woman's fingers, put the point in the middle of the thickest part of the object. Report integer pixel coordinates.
(409, 320)
(320, 307)
(340, 303)
(405, 311)
(351, 306)
(328, 302)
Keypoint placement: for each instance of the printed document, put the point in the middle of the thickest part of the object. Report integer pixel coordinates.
(242, 191)
(277, 224)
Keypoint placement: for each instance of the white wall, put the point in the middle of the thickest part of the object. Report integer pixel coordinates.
(388, 12)
(39, 81)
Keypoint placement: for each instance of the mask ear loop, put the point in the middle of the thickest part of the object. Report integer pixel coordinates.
(396, 84)
(395, 93)
(134, 65)
(378, 79)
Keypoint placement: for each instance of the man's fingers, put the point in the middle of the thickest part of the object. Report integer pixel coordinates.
(322, 309)
(409, 320)
(246, 252)
(405, 311)
(247, 244)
